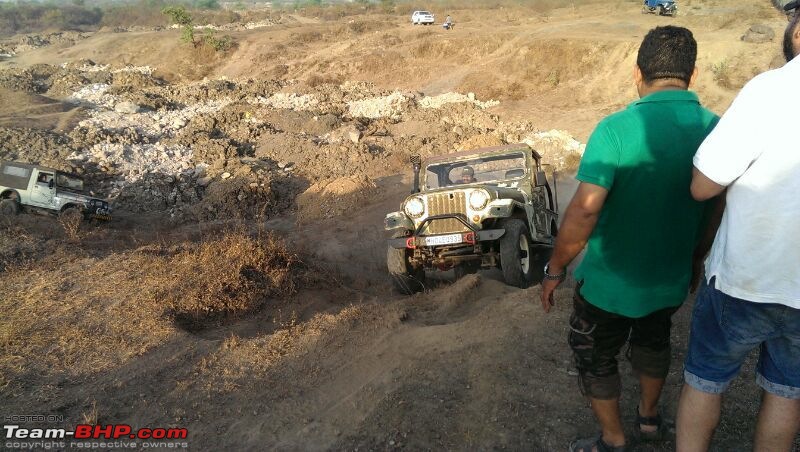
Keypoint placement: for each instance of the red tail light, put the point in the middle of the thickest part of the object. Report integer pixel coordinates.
(469, 237)
(411, 243)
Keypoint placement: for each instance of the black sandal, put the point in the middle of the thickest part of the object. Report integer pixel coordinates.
(595, 442)
(656, 421)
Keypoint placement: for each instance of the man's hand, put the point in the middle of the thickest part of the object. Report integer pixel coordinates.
(548, 287)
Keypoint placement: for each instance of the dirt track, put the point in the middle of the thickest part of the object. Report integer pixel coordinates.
(336, 361)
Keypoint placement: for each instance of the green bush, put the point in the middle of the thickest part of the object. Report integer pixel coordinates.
(218, 44)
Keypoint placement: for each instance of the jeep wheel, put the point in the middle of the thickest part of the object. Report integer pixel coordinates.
(9, 207)
(405, 278)
(515, 254)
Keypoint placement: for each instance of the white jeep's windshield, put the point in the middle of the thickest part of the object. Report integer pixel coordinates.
(69, 182)
(492, 169)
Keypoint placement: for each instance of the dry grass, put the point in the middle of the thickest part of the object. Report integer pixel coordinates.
(75, 314)
(71, 222)
(231, 275)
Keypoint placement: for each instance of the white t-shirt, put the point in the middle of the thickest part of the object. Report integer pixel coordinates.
(755, 151)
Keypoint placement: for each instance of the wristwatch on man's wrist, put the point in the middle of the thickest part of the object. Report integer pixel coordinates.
(559, 277)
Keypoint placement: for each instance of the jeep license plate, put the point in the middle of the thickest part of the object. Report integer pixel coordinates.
(443, 239)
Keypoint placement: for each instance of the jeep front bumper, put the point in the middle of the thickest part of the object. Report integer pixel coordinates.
(473, 236)
(101, 214)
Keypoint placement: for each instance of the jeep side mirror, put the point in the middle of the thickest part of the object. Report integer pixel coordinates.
(540, 179)
(51, 184)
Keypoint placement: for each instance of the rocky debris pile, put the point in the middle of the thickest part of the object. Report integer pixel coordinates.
(220, 149)
(559, 147)
(448, 98)
(234, 26)
(758, 33)
(24, 43)
(35, 146)
(390, 106)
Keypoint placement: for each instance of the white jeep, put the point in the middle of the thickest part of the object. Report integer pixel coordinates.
(34, 187)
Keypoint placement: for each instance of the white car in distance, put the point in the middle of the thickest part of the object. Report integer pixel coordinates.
(422, 18)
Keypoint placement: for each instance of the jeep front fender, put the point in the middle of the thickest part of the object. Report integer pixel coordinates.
(398, 220)
(500, 208)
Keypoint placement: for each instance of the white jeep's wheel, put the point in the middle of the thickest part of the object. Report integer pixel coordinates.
(9, 207)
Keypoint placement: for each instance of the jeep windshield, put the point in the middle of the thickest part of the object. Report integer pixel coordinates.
(69, 182)
(492, 169)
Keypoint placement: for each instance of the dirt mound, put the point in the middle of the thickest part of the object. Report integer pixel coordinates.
(24, 43)
(336, 197)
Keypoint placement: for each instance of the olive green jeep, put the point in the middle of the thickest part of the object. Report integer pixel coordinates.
(487, 208)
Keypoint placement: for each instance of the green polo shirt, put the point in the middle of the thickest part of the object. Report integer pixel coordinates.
(638, 258)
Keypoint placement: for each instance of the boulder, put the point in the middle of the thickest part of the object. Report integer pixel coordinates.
(759, 33)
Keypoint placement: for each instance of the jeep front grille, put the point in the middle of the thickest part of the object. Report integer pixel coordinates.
(446, 203)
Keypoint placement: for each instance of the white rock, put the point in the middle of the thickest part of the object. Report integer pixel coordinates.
(226, 175)
(126, 107)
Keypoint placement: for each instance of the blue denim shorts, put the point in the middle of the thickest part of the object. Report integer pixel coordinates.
(724, 331)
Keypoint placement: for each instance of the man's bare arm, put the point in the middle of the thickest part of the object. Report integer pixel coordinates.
(704, 188)
(713, 219)
(579, 222)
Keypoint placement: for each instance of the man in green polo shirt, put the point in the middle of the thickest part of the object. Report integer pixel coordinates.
(641, 227)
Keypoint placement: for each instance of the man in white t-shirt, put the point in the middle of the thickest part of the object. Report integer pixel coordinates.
(751, 296)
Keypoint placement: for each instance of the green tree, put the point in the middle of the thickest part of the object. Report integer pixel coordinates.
(178, 15)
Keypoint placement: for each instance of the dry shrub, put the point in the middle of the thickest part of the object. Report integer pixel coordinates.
(723, 73)
(71, 221)
(315, 80)
(231, 275)
(306, 36)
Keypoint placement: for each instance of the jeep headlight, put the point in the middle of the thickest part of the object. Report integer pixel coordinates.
(415, 207)
(478, 199)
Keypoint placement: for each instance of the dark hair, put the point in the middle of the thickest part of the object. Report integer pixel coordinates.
(788, 45)
(667, 52)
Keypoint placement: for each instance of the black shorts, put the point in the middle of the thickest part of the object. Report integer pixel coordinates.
(597, 336)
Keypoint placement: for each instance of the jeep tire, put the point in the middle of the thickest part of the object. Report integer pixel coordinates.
(515, 254)
(9, 207)
(405, 279)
